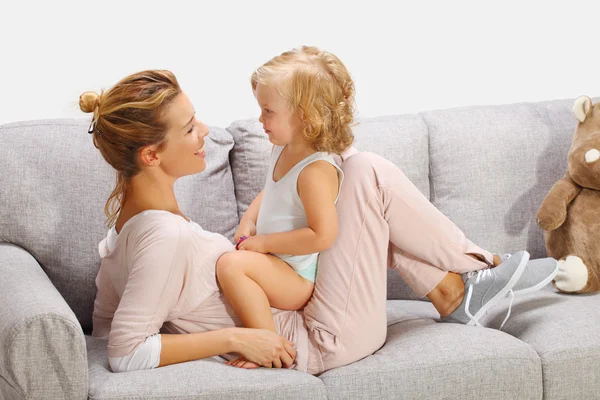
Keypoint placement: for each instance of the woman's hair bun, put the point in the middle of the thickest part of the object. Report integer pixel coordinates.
(88, 101)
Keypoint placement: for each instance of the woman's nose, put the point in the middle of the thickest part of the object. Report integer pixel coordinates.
(205, 130)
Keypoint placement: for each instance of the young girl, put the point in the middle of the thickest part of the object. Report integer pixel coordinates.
(306, 101)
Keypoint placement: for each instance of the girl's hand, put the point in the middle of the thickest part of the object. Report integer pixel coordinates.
(263, 347)
(246, 228)
(254, 243)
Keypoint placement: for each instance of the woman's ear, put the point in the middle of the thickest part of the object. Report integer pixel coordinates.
(149, 156)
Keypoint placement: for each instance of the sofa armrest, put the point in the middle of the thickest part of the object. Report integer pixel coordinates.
(42, 346)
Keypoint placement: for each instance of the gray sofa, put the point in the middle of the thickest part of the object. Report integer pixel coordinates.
(487, 168)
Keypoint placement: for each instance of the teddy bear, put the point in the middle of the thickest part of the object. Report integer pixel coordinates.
(570, 213)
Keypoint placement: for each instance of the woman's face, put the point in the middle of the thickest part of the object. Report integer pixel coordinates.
(184, 151)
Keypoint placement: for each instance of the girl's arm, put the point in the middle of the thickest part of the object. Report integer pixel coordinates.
(318, 188)
(251, 213)
(248, 222)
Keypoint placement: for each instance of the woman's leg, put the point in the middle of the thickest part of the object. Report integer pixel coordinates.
(448, 287)
(378, 204)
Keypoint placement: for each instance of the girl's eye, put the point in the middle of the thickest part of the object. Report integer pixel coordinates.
(191, 129)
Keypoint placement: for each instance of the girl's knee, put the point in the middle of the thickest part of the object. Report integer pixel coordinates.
(228, 264)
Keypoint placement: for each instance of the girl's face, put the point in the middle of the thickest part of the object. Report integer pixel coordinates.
(279, 123)
(184, 151)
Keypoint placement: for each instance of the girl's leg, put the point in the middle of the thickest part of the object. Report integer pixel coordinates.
(253, 282)
(346, 316)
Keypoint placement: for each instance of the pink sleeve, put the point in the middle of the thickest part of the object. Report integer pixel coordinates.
(105, 305)
(158, 259)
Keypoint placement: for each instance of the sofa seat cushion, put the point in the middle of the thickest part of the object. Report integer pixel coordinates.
(565, 332)
(425, 359)
(202, 379)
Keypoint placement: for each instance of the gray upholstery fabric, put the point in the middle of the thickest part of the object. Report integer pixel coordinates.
(424, 359)
(42, 348)
(401, 139)
(55, 184)
(565, 332)
(492, 166)
(203, 379)
(249, 160)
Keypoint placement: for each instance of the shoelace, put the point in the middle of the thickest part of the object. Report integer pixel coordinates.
(481, 275)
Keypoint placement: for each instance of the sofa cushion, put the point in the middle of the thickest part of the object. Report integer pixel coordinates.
(565, 332)
(424, 359)
(492, 166)
(401, 139)
(202, 379)
(54, 187)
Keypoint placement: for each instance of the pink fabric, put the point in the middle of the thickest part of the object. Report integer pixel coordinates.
(384, 221)
(163, 272)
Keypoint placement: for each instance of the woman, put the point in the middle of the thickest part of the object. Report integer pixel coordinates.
(158, 267)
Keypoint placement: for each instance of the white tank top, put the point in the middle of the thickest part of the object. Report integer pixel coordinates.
(281, 209)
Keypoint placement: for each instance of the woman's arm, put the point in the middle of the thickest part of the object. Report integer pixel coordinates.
(260, 346)
(153, 284)
(318, 187)
(105, 305)
(152, 290)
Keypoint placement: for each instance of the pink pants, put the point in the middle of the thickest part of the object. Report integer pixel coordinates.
(384, 220)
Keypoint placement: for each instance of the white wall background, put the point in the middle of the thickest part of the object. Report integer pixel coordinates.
(405, 56)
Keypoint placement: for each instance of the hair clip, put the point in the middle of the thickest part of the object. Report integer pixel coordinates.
(92, 127)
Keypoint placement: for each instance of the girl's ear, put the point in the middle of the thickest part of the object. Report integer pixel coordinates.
(299, 114)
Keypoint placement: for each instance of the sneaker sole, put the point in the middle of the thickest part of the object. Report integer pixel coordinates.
(540, 285)
(504, 291)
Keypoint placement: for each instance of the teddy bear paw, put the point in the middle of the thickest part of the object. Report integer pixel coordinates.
(572, 274)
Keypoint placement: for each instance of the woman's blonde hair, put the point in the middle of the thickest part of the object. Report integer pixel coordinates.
(319, 90)
(127, 117)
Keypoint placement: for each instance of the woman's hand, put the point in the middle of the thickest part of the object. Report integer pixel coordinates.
(246, 228)
(263, 347)
(255, 243)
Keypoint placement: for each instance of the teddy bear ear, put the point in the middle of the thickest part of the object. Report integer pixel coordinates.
(582, 107)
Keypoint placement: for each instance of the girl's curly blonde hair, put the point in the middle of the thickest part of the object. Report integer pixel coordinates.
(320, 92)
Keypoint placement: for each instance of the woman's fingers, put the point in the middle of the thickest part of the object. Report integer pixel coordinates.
(287, 359)
(289, 348)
